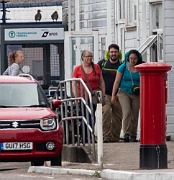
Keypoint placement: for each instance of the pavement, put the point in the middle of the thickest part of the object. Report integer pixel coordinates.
(120, 162)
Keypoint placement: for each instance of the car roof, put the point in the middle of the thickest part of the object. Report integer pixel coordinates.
(16, 79)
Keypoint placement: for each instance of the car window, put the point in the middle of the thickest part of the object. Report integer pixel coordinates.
(22, 94)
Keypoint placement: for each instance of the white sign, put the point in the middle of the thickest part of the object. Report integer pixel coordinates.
(30, 34)
(27, 14)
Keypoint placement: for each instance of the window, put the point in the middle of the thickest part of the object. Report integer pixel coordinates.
(103, 47)
(131, 10)
(22, 94)
(157, 14)
(121, 9)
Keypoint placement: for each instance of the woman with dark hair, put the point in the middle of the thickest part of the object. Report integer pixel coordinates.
(16, 58)
(126, 78)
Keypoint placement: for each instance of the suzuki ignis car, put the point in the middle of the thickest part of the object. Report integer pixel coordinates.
(29, 128)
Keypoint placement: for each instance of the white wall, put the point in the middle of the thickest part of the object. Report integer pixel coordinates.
(169, 59)
(94, 16)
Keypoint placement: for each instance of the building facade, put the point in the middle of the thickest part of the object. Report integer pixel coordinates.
(168, 8)
(128, 23)
(146, 25)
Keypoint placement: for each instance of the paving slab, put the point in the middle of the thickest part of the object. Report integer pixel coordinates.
(120, 161)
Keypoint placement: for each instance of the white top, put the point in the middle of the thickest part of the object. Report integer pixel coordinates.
(12, 70)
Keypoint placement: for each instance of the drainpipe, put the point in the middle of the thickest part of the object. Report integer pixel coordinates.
(69, 15)
(3, 12)
(138, 25)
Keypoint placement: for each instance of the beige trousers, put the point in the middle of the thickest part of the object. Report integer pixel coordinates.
(112, 120)
(130, 108)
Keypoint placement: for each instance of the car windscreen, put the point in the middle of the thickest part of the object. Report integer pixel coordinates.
(22, 94)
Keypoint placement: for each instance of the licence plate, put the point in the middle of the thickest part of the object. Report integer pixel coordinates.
(6, 146)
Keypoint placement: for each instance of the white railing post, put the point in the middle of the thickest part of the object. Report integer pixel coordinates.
(99, 130)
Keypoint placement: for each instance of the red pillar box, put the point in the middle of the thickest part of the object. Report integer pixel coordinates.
(153, 99)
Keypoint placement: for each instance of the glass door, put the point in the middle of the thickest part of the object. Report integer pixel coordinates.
(75, 43)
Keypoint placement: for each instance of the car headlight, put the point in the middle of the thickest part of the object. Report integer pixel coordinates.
(48, 124)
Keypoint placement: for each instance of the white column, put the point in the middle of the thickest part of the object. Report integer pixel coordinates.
(99, 134)
(76, 15)
(109, 31)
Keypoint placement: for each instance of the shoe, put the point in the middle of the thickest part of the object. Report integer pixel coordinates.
(133, 139)
(126, 138)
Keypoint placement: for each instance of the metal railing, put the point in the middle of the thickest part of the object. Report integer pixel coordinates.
(76, 113)
(150, 41)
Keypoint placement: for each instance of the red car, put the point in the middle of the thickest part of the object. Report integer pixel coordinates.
(29, 127)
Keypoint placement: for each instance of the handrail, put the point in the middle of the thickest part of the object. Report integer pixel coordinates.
(27, 76)
(70, 115)
(148, 43)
